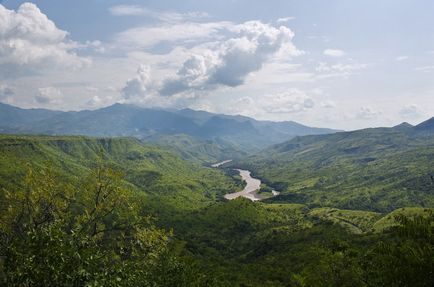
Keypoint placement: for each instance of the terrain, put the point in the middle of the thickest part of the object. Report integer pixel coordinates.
(379, 169)
(225, 132)
(120, 211)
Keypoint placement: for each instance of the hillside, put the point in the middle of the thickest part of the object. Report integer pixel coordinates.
(155, 171)
(373, 169)
(134, 121)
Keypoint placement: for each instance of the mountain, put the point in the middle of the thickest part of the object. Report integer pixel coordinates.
(426, 127)
(378, 169)
(130, 120)
(11, 116)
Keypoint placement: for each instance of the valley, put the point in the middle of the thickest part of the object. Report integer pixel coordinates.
(281, 216)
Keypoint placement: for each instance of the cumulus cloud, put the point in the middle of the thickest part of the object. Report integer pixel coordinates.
(48, 95)
(29, 38)
(137, 87)
(229, 62)
(137, 10)
(334, 53)
(411, 112)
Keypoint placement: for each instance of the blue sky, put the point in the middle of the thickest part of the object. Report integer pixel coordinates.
(342, 64)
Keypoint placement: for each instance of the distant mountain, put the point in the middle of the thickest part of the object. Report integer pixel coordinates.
(11, 116)
(426, 126)
(378, 169)
(130, 120)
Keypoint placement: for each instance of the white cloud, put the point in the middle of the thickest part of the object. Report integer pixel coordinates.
(334, 53)
(29, 38)
(146, 37)
(137, 87)
(48, 95)
(229, 62)
(137, 10)
(411, 112)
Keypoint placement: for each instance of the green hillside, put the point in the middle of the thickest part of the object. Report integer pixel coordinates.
(197, 150)
(150, 169)
(373, 169)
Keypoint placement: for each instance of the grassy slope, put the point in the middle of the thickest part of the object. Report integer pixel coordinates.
(374, 169)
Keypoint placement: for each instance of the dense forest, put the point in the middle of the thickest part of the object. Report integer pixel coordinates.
(79, 211)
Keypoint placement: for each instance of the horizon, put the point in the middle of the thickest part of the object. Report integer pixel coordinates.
(234, 115)
(330, 66)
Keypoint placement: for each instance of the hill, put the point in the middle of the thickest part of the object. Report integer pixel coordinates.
(373, 169)
(162, 175)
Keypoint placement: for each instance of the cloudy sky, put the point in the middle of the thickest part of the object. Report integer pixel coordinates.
(336, 63)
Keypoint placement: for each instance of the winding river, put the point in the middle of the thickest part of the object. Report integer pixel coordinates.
(250, 191)
(251, 188)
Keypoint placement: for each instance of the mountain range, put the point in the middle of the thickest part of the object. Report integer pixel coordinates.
(144, 123)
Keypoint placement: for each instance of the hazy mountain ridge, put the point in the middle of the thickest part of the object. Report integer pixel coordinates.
(129, 120)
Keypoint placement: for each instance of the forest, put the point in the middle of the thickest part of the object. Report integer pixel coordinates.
(79, 211)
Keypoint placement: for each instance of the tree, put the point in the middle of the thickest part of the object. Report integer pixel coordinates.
(91, 234)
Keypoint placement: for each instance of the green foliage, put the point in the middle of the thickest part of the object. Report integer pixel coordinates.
(94, 235)
(198, 150)
(407, 258)
(77, 211)
(375, 169)
(157, 172)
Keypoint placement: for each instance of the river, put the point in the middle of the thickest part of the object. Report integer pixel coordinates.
(250, 191)
(251, 188)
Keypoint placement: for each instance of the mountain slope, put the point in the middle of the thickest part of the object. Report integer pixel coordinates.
(13, 117)
(129, 120)
(374, 169)
(426, 127)
(161, 174)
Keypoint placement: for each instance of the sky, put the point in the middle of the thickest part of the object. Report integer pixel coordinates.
(337, 63)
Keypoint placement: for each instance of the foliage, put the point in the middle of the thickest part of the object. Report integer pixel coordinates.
(374, 169)
(77, 211)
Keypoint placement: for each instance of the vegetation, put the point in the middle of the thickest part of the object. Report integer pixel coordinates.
(375, 169)
(78, 211)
